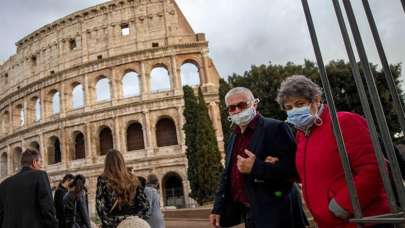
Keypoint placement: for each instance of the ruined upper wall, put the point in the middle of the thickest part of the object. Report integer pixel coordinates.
(96, 33)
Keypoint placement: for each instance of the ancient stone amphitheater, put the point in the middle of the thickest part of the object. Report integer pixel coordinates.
(107, 76)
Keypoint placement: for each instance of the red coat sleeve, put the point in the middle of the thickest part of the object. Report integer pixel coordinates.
(362, 161)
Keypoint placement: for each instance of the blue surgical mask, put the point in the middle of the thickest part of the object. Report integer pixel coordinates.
(301, 117)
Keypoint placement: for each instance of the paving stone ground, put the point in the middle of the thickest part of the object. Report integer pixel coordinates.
(191, 224)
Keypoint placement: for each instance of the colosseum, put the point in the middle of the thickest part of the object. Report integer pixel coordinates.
(107, 76)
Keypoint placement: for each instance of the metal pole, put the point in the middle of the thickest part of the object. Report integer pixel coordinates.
(366, 107)
(375, 99)
(387, 71)
(336, 129)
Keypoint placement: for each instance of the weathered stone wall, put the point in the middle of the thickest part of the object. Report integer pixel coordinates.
(83, 48)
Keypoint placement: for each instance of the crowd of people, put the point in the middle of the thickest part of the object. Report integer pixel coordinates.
(121, 199)
(266, 168)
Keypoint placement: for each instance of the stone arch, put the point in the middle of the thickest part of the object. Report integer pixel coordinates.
(105, 140)
(17, 153)
(54, 150)
(3, 165)
(190, 73)
(103, 89)
(77, 96)
(134, 137)
(160, 78)
(166, 132)
(35, 145)
(173, 190)
(79, 146)
(130, 84)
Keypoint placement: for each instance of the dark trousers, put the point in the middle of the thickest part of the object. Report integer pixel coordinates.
(247, 216)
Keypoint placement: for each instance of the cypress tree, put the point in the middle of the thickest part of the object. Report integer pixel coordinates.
(190, 126)
(204, 160)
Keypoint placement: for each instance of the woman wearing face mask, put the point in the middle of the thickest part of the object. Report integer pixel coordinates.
(317, 157)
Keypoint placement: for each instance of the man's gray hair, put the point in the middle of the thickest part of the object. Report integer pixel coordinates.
(239, 90)
(297, 86)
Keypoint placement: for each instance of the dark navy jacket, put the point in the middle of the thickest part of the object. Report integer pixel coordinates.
(270, 189)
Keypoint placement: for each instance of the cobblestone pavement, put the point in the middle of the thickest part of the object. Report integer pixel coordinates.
(191, 224)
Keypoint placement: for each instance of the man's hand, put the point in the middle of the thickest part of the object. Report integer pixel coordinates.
(245, 164)
(271, 160)
(214, 220)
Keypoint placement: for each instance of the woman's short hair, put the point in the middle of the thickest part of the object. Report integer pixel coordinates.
(297, 86)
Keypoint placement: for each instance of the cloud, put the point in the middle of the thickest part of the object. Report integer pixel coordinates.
(240, 32)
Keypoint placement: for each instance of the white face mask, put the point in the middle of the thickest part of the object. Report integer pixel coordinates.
(243, 118)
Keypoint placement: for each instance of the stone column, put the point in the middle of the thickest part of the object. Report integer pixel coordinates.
(205, 60)
(180, 120)
(11, 119)
(43, 105)
(63, 105)
(10, 160)
(175, 77)
(44, 150)
(66, 159)
(87, 93)
(91, 153)
(144, 82)
(149, 136)
(115, 86)
(117, 134)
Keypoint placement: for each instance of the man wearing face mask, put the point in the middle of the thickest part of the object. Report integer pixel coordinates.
(317, 158)
(26, 198)
(260, 194)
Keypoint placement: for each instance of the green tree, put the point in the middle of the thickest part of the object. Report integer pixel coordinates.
(204, 159)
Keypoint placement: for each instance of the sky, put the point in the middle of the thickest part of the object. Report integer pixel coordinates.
(241, 33)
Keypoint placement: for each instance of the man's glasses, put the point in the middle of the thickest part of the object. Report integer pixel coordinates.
(241, 106)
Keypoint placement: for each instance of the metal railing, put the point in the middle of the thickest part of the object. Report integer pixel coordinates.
(393, 186)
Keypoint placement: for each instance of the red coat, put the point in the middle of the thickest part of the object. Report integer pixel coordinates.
(319, 166)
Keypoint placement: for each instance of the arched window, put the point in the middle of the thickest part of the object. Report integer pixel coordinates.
(103, 90)
(37, 109)
(135, 137)
(22, 116)
(17, 158)
(54, 151)
(77, 96)
(166, 133)
(159, 79)
(106, 140)
(189, 74)
(130, 84)
(3, 165)
(173, 192)
(35, 145)
(56, 103)
(80, 149)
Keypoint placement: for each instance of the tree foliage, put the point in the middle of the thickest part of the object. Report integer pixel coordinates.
(264, 81)
(204, 160)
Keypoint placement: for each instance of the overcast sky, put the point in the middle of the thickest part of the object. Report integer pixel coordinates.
(240, 32)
